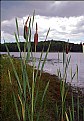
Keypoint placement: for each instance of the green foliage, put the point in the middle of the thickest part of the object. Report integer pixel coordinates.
(55, 46)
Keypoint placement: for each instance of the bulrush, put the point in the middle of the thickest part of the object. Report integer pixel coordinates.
(36, 37)
(26, 29)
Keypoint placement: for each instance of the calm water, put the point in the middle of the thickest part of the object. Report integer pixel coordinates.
(52, 64)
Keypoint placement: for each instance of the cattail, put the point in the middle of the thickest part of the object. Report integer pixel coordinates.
(36, 36)
(26, 29)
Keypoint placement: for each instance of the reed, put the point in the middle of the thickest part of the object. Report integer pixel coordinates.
(67, 113)
(27, 111)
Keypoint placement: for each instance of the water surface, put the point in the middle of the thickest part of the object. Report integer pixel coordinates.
(55, 62)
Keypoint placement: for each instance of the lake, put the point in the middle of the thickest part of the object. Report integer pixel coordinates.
(55, 61)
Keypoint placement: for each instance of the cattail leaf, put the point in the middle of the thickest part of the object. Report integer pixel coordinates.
(23, 108)
(17, 27)
(66, 116)
(47, 34)
(29, 24)
(45, 59)
(33, 87)
(69, 59)
(24, 83)
(78, 105)
(72, 107)
(70, 114)
(17, 111)
(17, 42)
(38, 65)
(77, 72)
(36, 97)
(28, 84)
(9, 77)
(33, 18)
(45, 90)
(65, 95)
(73, 75)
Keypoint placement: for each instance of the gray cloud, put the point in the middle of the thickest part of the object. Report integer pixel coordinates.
(12, 29)
(79, 28)
(11, 9)
(71, 8)
(81, 23)
(19, 8)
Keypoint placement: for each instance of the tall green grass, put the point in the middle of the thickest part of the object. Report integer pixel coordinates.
(28, 109)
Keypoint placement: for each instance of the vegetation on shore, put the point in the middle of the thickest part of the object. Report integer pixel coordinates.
(48, 111)
(55, 46)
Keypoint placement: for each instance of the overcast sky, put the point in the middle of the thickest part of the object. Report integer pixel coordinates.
(65, 19)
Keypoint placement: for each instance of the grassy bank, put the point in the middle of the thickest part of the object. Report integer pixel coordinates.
(49, 109)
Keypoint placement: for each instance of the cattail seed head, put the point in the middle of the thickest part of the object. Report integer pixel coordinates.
(36, 36)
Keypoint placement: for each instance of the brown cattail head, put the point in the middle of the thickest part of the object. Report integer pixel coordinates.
(26, 29)
(25, 32)
(36, 36)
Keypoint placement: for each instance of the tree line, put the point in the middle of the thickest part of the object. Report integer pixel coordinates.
(55, 46)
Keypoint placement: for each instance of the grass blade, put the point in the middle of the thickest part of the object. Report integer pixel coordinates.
(33, 18)
(72, 107)
(38, 65)
(78, 105)
(47, 34)
(45, 59)
(17, 27)
(66, 116)
(70, 114)
(77, 72)
(43, 99)
(17, 111)
(17, 42)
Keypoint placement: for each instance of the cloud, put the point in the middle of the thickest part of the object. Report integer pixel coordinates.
(61, 28)
(11, 9)
(6, 37)
(79, 27)
(9, 26)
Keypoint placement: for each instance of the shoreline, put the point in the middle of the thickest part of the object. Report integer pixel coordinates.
(55, 77)
(75, 88)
